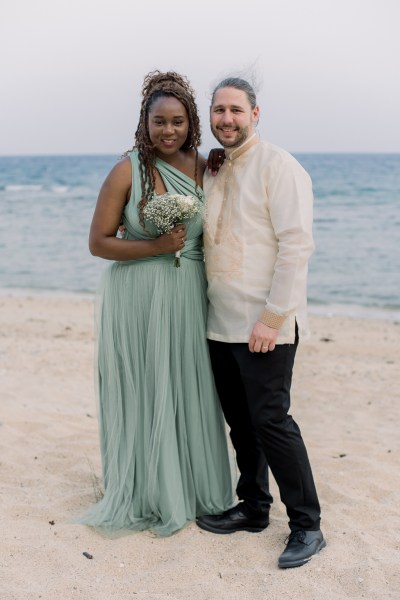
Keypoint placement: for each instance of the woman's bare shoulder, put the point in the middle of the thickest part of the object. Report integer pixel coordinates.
(202, 163)
(121, 173)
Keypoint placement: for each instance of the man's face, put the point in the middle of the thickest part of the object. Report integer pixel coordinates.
(232, 119)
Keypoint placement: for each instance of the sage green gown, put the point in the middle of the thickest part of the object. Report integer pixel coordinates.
(162, 435)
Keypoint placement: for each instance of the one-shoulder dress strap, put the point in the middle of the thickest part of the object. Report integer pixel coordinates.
(177, 182)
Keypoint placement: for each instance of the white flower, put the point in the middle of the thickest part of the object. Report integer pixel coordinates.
(166, 210)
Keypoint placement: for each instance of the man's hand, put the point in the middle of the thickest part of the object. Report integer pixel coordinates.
(263, 338)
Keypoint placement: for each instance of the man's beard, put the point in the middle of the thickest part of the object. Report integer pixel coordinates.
(242, 136)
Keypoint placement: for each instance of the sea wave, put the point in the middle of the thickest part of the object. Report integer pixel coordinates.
(29, 187)
(47, 203)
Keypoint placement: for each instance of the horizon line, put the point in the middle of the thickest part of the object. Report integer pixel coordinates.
(70, 154)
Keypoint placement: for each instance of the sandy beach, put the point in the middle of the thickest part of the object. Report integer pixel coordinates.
(345, 398)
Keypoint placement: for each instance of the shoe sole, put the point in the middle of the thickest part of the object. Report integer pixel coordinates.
(212, 529)
(300, 563)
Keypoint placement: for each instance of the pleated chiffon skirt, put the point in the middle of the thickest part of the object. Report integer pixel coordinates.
(162, 434)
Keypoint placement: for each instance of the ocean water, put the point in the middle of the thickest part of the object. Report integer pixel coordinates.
(47, 202)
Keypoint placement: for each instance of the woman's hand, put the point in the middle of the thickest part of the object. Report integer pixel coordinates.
(215, 160)
(172, 241)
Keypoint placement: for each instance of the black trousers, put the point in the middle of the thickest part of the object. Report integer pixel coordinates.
(254, 390)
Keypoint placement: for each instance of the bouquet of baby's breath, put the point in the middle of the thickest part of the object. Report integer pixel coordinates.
(167, 210)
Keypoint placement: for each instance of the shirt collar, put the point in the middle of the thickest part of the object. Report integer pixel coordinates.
(236, 152)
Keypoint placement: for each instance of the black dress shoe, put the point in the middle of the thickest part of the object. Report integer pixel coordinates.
(232, 520)
(301, 547)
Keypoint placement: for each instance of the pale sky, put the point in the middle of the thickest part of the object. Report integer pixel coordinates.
(71, 70)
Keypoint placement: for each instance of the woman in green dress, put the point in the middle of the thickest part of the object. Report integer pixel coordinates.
(162, 436)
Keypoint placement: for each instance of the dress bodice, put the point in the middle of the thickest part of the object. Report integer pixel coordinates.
(175, 182)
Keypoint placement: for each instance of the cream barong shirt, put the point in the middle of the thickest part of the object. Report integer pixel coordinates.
(257, 242)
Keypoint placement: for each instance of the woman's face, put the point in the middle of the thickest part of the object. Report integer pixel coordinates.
(168, 124)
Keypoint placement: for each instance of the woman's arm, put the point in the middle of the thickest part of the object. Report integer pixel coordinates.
(113, 196)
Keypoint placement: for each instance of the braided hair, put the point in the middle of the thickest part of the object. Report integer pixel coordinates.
(157, 85)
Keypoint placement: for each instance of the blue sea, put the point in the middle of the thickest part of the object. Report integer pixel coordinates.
(47, 202)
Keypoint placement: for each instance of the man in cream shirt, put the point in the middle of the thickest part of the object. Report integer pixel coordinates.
(257, 240)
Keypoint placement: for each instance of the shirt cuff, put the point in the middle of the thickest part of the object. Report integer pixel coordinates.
(271, 319)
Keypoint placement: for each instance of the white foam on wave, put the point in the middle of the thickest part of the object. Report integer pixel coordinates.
(354, 311)
(23, 188)
(59, 189)
(46, 293)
